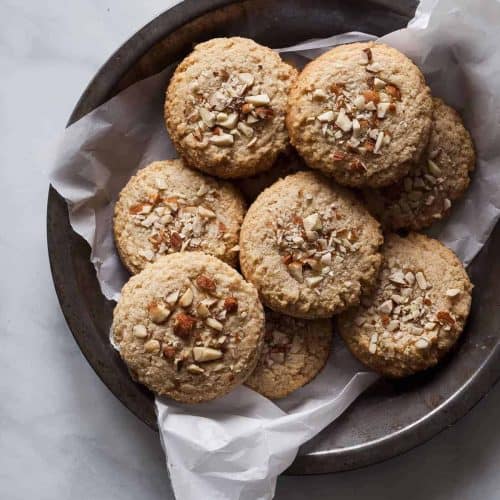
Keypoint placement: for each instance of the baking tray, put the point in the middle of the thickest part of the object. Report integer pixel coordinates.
(391, 417)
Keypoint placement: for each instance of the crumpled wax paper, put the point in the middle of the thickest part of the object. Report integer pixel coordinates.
(235, 447)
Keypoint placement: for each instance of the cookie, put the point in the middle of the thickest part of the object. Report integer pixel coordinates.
(287, 163)
(416, 311)
(309, 246)
(294, 352)
(434, 182)
(360, 113)
(225, 107)
(169, 208)
(189, 327)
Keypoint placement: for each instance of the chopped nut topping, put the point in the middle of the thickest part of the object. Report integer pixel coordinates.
(183, 325)
(172, 297)
(368, 53)
(295, 269)
(213, 323)
(258, 100)
(175, 241)
(406, 316)
(327, 116)
(195, 369)
(354, 120)
(444, 317)
(312, 222)
(205, 283)
(141, 208)
(203, 354)
(231, 304)
(152, 346)
(169, 352)
(386, 307)
(140, 331)
(202, 310)
(421, 343)
(453, 292)
(227, 114)
(222, 140)
(422, 282)
(310, 245)
(187, 298)
(158, 312)
(313, 280)
(319, 95)
(421, 191)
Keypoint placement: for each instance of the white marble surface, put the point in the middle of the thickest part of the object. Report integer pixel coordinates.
(62, 434)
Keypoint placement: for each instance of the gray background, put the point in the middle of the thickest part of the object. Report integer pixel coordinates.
(62, 434)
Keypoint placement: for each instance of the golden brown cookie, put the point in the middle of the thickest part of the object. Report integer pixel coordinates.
(167, 208)
(294, 352)
(416, 311)
(189, 327)
(360, 113)
(225, 107)
(434, 182)
(309, 246)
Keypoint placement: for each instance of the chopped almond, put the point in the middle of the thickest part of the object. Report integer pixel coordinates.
(264, 113)
(205, 283)
(183, 325)
(371, 95)
(230, 304)
(445, 317)
(175, 241)
(369, 144)
(154, 198)
(337, 88)
(247, 108)
(139, 208)
(393, 91)
(169, 352)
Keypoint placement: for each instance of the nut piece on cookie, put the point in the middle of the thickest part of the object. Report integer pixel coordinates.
(416, 310)
(360, 113)
(225, 107)
(206, 345)
(168, 208)
(309, 246)
(294, 352)
(434, 182)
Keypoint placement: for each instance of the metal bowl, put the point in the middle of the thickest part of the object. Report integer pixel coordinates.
(392, 416)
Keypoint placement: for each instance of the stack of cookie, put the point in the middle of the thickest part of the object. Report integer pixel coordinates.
(191, 327)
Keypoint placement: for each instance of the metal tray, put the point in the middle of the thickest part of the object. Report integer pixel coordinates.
(393, 416)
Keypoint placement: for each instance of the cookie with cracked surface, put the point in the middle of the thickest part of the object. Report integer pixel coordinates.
(416, 311)
(294, 352)
(189, 327)
(360, 113)
(309, 246)
(434, 182)
(225, 107)
(167, 207)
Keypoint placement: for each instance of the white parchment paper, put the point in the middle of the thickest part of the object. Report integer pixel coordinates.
(235, 447)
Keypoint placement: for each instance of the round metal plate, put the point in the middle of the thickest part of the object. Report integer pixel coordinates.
(393, 416)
